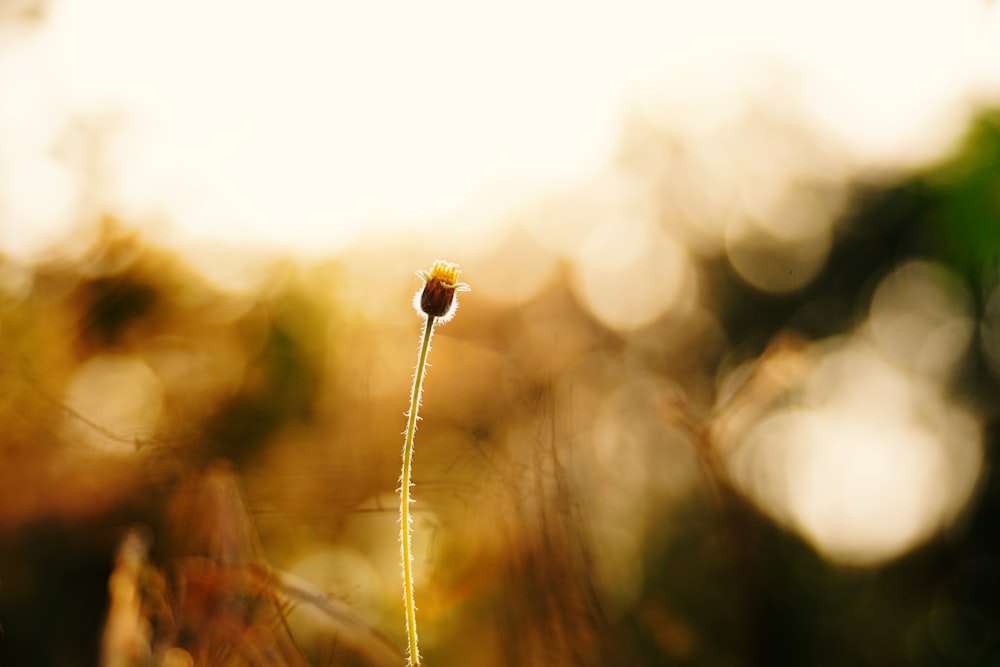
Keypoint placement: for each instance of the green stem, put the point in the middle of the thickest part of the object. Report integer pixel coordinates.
(406, 522)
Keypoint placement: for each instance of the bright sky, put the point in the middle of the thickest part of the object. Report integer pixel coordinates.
(302, 123)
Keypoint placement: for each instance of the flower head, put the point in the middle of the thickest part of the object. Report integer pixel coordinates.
(437, 298)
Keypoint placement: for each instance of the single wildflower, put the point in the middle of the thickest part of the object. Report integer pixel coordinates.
(437, 298)
(437, 302)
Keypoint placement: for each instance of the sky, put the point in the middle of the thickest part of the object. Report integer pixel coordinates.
(304, 125)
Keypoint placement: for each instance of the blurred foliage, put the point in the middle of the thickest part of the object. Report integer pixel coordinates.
(540, 549)
(929, 607)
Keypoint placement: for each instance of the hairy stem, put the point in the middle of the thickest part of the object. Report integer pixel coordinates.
(405, 520)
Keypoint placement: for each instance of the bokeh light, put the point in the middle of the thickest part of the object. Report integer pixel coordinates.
(628, 280)
(121, 395)
(920, 317)
(869, 458)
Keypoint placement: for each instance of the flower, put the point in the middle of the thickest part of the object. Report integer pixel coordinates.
(437, 298)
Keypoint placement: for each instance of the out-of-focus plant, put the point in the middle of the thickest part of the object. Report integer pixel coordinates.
(220, 603)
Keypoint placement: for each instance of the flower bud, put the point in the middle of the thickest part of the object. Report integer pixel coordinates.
(437, 298)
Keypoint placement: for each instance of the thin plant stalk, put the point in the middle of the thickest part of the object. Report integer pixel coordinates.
(436, 301)
(406, 531)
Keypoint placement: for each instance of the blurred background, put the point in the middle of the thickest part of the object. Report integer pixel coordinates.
(723, 392)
